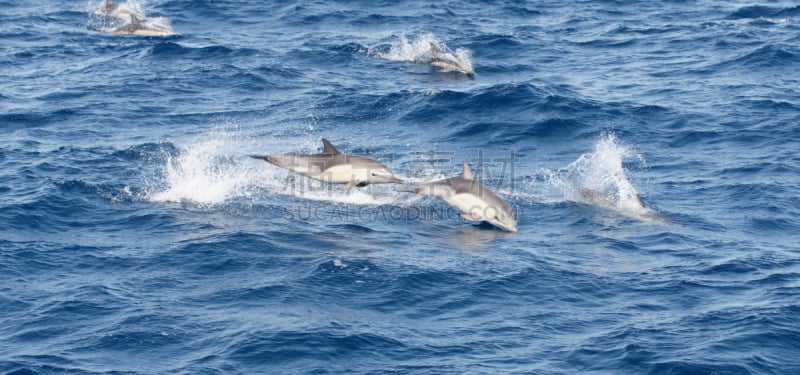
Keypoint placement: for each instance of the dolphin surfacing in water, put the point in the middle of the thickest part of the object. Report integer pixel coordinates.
(449, 62)
(606, 200)
(475, 201)
(138, 26)
(334, 167)
(637, 210)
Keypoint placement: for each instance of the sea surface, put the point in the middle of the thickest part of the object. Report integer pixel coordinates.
(137, 236)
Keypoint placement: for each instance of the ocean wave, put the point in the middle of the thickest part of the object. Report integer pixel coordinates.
(138, 236)
(183, 50)
(311, 348)
(765, 57)
(529, 108)
(760, 11)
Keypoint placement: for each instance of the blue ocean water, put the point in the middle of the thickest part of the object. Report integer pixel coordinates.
(136, 236)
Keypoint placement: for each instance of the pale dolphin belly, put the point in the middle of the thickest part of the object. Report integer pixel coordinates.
(339, 174)
(152, 32)
(472, 207)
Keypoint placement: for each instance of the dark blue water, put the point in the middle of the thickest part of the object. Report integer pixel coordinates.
(136, 236)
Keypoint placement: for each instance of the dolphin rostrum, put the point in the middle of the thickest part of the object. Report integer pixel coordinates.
(334, 167)
(475, 201)
(449, 62)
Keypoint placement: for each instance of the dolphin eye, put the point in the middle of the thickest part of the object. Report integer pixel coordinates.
(502, 216)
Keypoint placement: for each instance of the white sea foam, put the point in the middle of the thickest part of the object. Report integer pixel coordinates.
(205, 172)
(162, 24)
(421, 50)
(115, 21)
(602, 174)
(215, 168)
(123, 9)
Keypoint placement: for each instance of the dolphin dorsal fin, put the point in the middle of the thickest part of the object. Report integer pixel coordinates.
(467, 174)
(328, 148)
(435, 49)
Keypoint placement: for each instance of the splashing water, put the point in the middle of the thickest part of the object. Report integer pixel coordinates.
(601, 170)
(206, 173)
(160, 24)
(599, 178)
(111, 21)
(214, 169)
(421, 51)
(128, 7)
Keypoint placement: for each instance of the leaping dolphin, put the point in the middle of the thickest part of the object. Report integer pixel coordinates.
(475, 201)
(449, 62)
(334, 167)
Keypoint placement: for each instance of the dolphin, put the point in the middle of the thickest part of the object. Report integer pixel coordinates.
(605, 200)
(640, 211)
(137, 27)
(475, 201)
(449, 62)
(334, 167)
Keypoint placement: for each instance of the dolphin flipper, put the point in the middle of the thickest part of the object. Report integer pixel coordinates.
(353, 184)
(471, 217)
